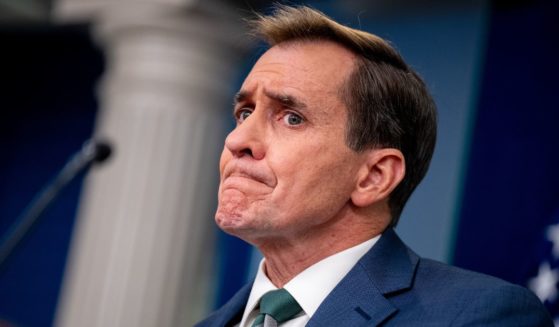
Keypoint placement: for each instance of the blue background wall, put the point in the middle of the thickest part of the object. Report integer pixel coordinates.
(489, 196)
(511, 193)
(48, 106)
(512, 179)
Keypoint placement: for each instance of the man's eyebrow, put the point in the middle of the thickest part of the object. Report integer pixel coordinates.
(286, 100)
(240, 97)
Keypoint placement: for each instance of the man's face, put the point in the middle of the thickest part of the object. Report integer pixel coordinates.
(286, 169)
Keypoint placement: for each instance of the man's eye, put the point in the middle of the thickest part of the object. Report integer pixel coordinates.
(243, 114)
(292, 119)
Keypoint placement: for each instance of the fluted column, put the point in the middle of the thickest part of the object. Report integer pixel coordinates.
(141, 252)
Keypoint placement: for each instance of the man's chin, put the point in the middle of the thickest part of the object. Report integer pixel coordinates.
(236, 225)
(230, 222)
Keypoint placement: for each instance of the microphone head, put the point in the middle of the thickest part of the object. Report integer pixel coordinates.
(102, 151)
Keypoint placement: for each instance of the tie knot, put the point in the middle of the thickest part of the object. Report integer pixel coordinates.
(280, 305)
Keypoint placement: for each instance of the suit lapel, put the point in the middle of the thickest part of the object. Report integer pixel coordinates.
(353, 304)
(361, 298)
(230, 313)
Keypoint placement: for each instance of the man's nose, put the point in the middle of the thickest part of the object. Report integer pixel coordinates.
(247, 139)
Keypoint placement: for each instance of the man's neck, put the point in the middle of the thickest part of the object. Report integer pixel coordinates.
(285, 258)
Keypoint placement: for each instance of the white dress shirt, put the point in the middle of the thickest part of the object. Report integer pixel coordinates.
(310, 287)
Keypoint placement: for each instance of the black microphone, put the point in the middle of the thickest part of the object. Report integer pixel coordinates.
(93, 151)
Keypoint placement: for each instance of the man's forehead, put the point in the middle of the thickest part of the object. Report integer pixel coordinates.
(299, 69)
(307, 58)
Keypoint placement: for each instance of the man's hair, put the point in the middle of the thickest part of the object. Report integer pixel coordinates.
(388, 103)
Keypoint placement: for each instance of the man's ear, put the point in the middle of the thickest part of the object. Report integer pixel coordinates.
(382, 171)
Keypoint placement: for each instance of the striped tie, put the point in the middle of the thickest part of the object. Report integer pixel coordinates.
(276, 307)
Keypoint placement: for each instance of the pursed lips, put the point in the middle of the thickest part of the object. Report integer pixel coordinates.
(240, 170)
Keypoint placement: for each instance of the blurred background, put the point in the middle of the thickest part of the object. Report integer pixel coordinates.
(133, 242)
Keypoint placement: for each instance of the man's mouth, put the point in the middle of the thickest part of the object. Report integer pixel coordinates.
(238, 169)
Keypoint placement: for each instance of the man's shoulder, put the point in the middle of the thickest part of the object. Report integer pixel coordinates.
(435, 276)
(429, 270)
(446, 278)
(474, 297)
(438, 293)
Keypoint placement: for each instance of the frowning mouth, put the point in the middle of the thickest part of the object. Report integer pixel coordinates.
(239, 171)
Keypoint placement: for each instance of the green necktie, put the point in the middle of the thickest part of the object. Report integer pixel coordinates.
(279, 305)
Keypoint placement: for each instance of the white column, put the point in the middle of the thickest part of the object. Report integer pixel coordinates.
(143, 245)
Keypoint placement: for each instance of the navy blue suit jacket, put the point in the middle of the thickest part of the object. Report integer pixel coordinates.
(392, 286)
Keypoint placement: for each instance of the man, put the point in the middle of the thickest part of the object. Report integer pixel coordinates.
(334, 132)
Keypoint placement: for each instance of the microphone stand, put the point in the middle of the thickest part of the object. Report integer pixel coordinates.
(91, 152)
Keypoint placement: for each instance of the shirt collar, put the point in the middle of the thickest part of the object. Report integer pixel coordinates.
(312, 285)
